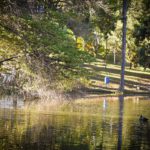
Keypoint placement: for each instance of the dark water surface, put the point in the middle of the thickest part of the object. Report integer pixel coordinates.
(93, 124)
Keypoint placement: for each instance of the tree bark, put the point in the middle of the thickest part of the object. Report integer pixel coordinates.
(124, 14)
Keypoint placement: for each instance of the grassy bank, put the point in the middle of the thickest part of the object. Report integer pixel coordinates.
(136, 81)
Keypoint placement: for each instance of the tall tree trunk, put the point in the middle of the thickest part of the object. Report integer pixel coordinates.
(124, 19)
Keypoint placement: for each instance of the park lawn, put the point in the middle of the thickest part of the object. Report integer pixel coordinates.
(135, 80)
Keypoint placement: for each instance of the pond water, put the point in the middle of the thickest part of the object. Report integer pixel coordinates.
(88, 124)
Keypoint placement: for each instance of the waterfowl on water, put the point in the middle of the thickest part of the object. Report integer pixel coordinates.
(143, 119)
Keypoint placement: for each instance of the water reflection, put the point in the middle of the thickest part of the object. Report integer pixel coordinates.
(11, 101)
(103, 123)
(104, 104)
(120, 122)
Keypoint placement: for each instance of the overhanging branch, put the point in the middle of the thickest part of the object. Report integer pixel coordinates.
(7, 59)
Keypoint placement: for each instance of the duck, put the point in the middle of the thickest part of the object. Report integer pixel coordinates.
(143, 119)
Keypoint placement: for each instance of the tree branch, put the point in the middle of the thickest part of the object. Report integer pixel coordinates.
(8, 59)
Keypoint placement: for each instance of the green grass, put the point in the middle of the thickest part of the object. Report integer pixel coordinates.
(133, 78)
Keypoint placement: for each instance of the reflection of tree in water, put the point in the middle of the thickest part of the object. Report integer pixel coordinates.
(136, 134)
(55, 135)
(70, 132)
(139, 136)
(108, 132)
(59, 131)
(11, 101)
(120, 122)
(9, 136)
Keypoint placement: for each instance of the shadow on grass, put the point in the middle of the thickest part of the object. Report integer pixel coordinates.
(114, 80)
(117, 71)
(132, 84)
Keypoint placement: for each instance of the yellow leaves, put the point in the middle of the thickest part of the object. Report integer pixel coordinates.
(80, 43)
(89, 46)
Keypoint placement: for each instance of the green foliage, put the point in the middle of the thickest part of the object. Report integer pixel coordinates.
(47, 47)
(144, 56)
(44, 46)
(142, 35)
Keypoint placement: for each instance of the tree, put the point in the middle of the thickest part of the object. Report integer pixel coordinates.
(144, 56)
(124, 19)
(142, 35)
(39, 46)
